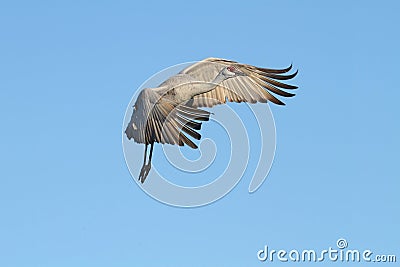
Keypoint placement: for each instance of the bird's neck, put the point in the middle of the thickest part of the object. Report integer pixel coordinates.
(205, 87)
(219, 79)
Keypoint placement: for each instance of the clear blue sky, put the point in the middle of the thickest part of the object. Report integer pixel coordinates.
(68, 70)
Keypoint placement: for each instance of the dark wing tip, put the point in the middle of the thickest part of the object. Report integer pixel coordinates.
(276, 71)
(282, 77)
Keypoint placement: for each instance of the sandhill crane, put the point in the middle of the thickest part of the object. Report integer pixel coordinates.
(166, 113)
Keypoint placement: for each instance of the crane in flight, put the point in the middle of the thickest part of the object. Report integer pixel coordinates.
(170, 112)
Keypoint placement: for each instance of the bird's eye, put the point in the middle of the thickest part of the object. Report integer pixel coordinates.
(231, 68)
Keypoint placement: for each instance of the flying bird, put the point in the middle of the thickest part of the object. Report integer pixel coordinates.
(171, 112)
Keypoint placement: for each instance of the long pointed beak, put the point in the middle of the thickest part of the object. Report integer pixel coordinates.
(239, 73)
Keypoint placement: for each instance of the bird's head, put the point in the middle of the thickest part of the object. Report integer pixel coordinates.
(231, 71)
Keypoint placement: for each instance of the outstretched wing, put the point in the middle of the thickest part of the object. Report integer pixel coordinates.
(258, 84)
(158, 119)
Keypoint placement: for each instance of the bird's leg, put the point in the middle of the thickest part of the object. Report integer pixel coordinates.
(144, 164)
(151, 155)
(146, 167)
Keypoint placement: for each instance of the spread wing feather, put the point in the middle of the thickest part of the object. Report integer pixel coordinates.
(258, 84)
(157, 119)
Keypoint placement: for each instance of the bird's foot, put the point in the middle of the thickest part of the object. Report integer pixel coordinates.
(144, 172)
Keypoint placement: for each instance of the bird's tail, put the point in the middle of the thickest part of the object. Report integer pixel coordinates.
(129, 131)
